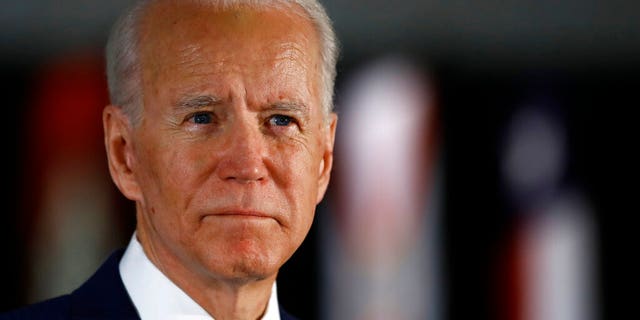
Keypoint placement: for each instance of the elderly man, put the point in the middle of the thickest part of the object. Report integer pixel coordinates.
(221, 130)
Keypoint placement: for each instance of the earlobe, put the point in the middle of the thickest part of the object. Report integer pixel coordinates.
(120, 156)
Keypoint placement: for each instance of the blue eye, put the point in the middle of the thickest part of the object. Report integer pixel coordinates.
(281, 120)
(202, 118)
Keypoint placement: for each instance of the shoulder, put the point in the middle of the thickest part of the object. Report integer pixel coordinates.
(103, 294)
(52, 309)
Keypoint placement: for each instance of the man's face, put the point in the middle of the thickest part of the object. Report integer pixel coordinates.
(233, 152)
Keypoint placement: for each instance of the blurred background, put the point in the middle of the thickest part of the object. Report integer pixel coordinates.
(479, 160)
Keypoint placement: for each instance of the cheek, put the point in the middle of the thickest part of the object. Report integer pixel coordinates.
(294, 165)
(167, 172)
(297, 175)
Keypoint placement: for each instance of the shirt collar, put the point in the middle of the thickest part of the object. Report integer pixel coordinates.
(156, 297)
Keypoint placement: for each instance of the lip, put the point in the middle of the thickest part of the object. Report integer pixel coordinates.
(240, 213)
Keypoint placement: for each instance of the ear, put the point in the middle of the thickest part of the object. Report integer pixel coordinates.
(118, 134)
(326, 163)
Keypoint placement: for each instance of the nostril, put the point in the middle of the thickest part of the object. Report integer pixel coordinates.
(243, 180)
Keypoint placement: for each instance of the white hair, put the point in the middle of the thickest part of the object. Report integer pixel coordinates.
(124, 68)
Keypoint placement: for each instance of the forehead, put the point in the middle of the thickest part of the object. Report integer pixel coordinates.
(269, 53)
(187, 30)
(204, 18)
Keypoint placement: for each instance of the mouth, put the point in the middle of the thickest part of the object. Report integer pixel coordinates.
(241, 213)
(248, 214)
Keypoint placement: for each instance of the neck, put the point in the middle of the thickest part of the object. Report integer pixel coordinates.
(235, 302)
(222, 298)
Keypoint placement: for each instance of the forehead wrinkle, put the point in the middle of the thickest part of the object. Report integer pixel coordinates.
(193, 60)
(291, 57)
(291, 52)
(189, 54)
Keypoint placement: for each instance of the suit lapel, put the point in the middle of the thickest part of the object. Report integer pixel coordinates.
(286, 316)
(103, 296)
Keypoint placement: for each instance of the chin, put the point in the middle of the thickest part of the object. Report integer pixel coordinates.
(242, 262)
(244, 271)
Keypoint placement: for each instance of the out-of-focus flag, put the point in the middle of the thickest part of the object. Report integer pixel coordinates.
(380, 242)
(548, 270)
(68, 199)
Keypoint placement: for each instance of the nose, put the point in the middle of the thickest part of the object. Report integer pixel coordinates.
(244, 154)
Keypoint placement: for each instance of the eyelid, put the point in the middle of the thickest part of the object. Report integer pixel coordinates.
(292, 117)
(191, 116)
(293, 109)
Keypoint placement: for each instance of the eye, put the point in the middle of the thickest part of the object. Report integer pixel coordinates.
(280, 120)
(201, 118)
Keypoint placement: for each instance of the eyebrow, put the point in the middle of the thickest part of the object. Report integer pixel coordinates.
(290, 106)
(197, 102)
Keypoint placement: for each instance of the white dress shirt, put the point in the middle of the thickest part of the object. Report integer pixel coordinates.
(156, 297)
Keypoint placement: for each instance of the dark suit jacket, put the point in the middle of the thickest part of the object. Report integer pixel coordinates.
(102, 297)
